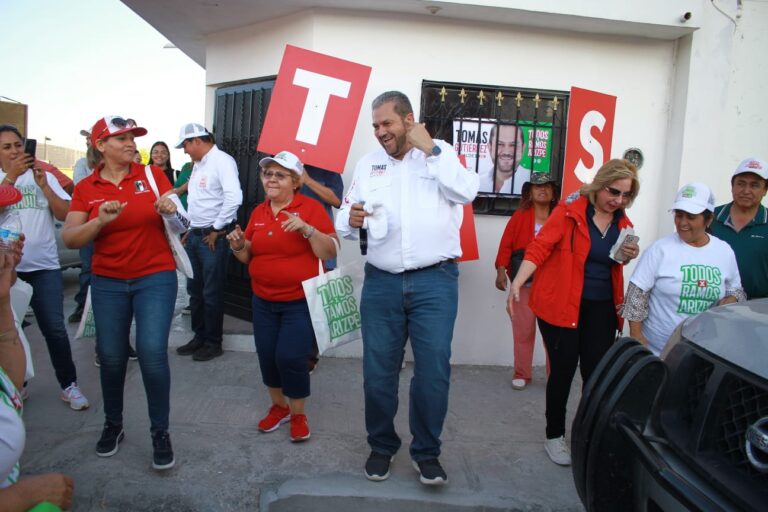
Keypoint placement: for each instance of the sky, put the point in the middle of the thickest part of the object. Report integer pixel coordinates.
(75, 61)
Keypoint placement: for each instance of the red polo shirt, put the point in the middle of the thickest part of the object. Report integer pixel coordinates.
(134, 244)
(280, 261)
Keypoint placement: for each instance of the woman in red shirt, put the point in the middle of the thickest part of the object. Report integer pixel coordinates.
(133, 276)
(285, 237)
(539, 197)
(578, 287)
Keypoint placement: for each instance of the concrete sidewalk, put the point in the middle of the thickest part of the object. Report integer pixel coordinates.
(492, 442)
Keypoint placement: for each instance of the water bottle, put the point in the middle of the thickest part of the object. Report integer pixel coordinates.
(10, 229)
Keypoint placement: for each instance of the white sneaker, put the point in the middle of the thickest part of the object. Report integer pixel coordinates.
(558, 451)
(518, 384)
(75, 397)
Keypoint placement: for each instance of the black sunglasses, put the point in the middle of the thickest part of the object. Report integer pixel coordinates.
(613, 192)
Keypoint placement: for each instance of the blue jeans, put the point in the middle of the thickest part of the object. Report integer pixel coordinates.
(86, 254)
(421, 305)
(150, 300)
(48, 305)
(206, 290)
(283, 335)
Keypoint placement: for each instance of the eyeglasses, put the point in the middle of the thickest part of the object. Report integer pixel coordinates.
(268, 175)
(117, 123)
(613, 192)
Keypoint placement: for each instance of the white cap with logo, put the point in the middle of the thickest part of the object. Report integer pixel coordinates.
(753, 165)
(284, 159)
(190, 131)
(694, 198)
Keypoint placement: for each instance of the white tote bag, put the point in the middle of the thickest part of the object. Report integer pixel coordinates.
(179, 253)
(87, 326)
(334, 304)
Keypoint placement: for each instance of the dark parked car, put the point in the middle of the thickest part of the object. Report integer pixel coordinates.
(689, 432)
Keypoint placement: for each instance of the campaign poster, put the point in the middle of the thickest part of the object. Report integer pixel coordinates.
(314, 108)
(503, 154)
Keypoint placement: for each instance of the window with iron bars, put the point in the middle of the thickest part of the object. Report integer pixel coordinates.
(502, 133)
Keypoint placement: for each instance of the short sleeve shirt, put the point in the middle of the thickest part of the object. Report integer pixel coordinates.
(280, 260)
(683, 281)
(134, 244)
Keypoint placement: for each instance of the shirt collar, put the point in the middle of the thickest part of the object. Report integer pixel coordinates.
(133, 172)
(761, 217)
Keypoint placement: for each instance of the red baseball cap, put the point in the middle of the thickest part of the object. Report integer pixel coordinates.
(110, 126)
(9, 195)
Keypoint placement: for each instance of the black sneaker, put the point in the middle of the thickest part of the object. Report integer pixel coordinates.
(430, 472)
(377, 466)
(76, 315)
(132, 355)
(162, 454)
(110, 440)
(207, 352)
(189, 348)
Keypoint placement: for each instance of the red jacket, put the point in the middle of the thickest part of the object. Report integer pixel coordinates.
(517, 235)
(559, 252)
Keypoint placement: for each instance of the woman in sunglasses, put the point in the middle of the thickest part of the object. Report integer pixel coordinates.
(285, 237)
(133, 276)
(578, 287)
(682, 274)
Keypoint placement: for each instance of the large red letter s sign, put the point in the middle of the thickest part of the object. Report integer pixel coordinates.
(314, 108)
(590, 132)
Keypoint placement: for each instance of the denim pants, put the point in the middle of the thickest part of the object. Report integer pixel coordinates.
(150, 300)
(283, 335)
(86, 255)
(206, 290)
(420, 305)
(48, 305)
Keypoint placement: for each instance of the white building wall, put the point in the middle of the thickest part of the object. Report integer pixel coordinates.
(651, 78)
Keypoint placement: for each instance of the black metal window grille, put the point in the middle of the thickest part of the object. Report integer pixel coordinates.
(472, 117)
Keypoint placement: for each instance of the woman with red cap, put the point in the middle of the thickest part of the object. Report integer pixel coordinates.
(134, 275)
(43, 200)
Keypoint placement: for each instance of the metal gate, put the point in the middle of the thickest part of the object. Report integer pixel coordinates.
(238, 117)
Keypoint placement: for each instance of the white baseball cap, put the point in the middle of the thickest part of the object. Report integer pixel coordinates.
(694, 198)
(753, 165)
(190, 131)
(284, 159)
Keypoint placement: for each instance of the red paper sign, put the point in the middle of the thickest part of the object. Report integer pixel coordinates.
(589, 136)
(314, 108)
(467, 232)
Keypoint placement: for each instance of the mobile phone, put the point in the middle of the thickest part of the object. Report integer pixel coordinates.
(30, 147)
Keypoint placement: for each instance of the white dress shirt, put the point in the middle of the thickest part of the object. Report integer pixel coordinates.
(422, 197)
(521, 176)
(214, 190)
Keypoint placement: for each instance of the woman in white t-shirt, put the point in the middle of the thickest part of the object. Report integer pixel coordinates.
(681, 274)
(43, 200)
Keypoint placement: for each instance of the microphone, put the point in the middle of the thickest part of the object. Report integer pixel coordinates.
(363, 238)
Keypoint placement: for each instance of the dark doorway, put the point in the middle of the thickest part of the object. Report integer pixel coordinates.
(239, 115)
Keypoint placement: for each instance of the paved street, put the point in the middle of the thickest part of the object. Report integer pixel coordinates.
(492, 443)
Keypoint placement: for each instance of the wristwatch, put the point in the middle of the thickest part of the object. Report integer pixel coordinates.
(435, 150)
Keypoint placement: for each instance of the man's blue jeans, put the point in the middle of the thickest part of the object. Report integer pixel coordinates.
(48, 304)
(86, 255)
(421, 305)
(206, 290)
(150, 300)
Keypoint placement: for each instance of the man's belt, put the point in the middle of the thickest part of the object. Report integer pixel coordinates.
(207, 231)
(434, 265)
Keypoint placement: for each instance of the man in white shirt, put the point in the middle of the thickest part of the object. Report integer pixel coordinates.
(505, 153)
(214, 195)
(409, 194)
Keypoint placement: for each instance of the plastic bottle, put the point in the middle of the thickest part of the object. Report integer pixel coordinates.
(10, 229)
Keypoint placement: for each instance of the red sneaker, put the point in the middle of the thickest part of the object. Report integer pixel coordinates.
(275, 417)
(299, 428)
